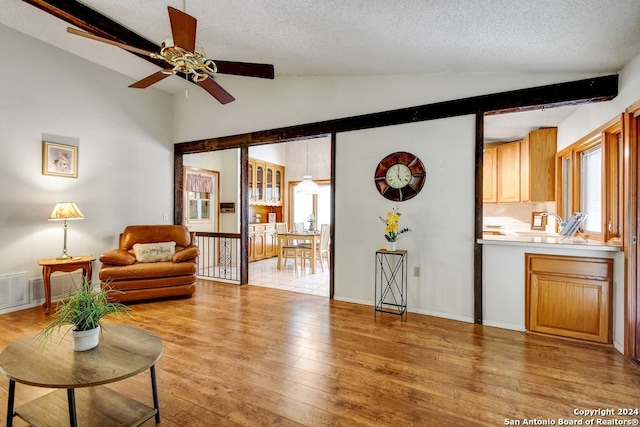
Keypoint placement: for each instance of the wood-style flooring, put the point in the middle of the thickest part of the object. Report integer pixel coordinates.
(257, 356)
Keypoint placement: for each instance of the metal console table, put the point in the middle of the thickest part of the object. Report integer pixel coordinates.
(391, 282)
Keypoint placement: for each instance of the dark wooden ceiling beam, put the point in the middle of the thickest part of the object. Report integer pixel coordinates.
(549, 96)
(88, 19)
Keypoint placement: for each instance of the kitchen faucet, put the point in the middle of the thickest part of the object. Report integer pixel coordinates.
(558, 218)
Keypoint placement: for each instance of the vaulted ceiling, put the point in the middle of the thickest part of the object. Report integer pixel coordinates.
(355, 37)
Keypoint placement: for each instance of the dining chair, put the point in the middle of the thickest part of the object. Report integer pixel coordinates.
(322, 250)
(298, 227)
(288, 247)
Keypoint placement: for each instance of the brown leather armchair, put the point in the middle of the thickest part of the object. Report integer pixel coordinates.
(152, 261)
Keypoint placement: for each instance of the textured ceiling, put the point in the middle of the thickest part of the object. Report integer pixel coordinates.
(360, 37)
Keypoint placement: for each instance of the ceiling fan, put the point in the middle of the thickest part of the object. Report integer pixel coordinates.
(182, 57)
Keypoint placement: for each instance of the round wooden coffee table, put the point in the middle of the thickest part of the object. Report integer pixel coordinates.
(124, 351)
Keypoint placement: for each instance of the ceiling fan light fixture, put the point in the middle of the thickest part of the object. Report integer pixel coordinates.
(186, 58)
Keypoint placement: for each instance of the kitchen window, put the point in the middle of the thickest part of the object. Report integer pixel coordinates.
(319, 205)
(589, 180)
(591, 188)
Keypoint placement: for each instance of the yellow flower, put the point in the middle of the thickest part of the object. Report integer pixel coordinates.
(392, 225)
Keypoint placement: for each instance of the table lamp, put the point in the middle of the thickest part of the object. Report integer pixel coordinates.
(65, 211)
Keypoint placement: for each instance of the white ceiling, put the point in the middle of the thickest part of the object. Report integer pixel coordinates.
(374, 37)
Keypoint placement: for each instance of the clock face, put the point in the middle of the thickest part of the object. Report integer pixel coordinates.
(400, 176)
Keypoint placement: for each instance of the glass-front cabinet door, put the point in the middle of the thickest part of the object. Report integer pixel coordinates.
(250, 188)
(268, 197)
(259, 197)
(265, 183)
(277, 186)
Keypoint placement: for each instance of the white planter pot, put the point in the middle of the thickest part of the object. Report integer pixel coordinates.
(392, 246)
(85, 340)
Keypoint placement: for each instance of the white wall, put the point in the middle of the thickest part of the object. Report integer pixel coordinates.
(441, 216)
(318, 153)
(591, 116)
(125, 171)
(273, 153)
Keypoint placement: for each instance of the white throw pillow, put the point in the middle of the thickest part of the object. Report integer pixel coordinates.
(154, 252)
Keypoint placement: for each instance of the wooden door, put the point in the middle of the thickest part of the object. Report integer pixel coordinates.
(631, 232)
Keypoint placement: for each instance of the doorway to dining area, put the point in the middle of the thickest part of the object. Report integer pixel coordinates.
(305, 206)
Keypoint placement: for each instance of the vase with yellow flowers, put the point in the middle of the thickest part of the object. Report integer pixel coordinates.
(392, 230)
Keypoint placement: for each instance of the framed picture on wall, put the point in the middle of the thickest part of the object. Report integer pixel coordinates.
(538, 221)
(59, 159)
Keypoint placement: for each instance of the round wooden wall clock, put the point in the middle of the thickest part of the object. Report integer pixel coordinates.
(400, 176)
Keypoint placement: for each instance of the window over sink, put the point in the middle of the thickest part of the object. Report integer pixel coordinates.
(589, 178)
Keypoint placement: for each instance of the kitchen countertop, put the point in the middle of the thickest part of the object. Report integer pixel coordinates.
(548, 241)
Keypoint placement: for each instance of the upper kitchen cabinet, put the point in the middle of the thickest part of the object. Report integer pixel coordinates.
(521, 171)
(508, 156)
(266, 181)
(490, 175)
(537, 165)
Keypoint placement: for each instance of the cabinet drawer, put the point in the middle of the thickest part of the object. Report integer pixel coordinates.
(571, 266)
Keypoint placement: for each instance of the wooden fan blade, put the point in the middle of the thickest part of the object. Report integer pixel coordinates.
(216, 90)
(153, 78)
(264, 71)
(81, 33)
(183, 29)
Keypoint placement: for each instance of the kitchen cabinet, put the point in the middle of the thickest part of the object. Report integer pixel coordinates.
(569, 296)
(524, 170)
(490, 175)
(537, 166)
(257, 242)
(508, 159)
(270, 241)
(263, 241)
(266, 181)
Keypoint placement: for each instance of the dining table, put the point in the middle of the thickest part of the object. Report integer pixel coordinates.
(310, 237)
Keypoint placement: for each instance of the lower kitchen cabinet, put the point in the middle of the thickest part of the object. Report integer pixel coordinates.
(569, 296)
(263, 241)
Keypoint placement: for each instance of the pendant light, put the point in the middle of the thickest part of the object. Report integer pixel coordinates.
(307, 186)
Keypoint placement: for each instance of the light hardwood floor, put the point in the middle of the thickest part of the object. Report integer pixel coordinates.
(260, 356)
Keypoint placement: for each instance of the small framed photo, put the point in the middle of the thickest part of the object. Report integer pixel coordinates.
(59, 159)
(538, 221)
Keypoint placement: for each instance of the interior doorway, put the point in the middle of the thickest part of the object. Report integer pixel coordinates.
(299, 158)
(201, 193)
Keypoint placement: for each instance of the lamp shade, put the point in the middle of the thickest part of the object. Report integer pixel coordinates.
(307, 186)
(65, 210)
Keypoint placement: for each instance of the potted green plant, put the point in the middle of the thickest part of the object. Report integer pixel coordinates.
(84, 311)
